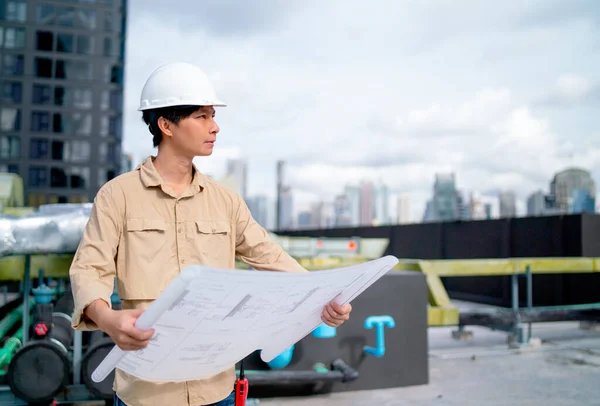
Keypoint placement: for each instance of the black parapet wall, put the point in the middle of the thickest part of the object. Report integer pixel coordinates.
(400, 295)
(576, 235)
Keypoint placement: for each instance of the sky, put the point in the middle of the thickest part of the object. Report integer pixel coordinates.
(503, 94)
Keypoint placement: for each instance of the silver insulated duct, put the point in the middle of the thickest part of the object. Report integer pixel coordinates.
(53, 229)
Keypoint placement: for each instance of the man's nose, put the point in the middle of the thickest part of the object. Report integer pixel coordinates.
(215, 128)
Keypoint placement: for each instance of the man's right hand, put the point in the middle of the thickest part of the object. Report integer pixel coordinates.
(120, 325)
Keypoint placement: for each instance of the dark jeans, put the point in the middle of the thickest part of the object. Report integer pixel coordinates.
(228, 401)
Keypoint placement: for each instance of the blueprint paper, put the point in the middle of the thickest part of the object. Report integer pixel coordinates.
(208, 319)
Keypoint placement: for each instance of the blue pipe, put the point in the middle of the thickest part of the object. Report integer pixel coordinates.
(324, 331)
(380, 323)
(283, 359)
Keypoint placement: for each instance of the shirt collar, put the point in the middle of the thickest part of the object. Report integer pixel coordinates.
(150, 176)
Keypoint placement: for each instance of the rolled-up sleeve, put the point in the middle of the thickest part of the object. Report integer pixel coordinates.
(254, 247)
(93, 269)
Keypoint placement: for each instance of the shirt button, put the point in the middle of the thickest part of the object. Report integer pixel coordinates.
(183, 261)
(179, 230)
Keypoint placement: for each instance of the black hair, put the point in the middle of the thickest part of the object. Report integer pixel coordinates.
(173, 114)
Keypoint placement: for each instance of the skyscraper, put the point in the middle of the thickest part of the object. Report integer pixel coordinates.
(279, 197)
(381, 209)
(445, 197)
(237, 169)
(566, 182)
(403, 209)
(463, 206)
(508, 204)
(536, 204)
(61, 81)
(286, 209)
(258, 208)
(354, 202)
(367, 208)
(582, 202)
(341, 207)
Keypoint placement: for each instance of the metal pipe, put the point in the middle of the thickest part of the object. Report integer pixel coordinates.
(77, 349)
(10, 320)
(12, 343)
(26, 289)
(514, 278)
(529, 296)
(517, 330)
(506, 317)
(40, 280)
(9, 348)
(341, 372)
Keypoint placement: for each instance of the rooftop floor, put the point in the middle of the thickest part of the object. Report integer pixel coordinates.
(563, 370)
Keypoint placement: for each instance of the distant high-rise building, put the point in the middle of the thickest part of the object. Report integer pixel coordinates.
(403, 209)
(353, 195)
(582, 202)
(484, 207)
(304, 220)
(230, 182)
(462, 206)
(565, 182)
(341, 209)
(281, 187)
(536, 204)
(508, 204)
(61, 111)
(488, 210)
(366, 204)
(237, 169)
(316, 215)
(271, 214)
(477, 206)
(381, 209)
(258, 206)
(429, 214)
(327, 215)
(286, 209)
(445, 197)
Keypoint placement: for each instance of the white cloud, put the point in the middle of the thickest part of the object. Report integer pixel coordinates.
(396, 91)
(573, 86)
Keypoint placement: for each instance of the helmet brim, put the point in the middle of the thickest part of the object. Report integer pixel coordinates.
(200, 103)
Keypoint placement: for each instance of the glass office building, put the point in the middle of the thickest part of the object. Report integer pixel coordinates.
(61, 95)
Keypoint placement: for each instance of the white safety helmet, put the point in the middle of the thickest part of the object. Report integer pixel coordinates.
(178, 84)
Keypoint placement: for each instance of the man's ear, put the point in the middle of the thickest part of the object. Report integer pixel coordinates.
(165, 126)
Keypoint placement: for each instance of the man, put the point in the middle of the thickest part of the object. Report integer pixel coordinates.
(148, 224)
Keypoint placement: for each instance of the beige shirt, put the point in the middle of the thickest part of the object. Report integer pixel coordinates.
(143, 234)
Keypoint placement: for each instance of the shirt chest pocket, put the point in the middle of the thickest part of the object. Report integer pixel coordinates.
(212, 238)
(146, 260)
(147, 239)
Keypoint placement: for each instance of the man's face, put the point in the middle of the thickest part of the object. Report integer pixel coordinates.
(196, 135)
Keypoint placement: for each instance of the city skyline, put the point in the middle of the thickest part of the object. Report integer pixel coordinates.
(465, 93)
(518, 205)
(499, 126)
(570, 190)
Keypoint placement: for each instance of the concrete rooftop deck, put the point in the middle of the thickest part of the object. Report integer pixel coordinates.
(563, 370)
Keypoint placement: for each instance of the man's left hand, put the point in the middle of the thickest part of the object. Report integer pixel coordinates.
(334, 315)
